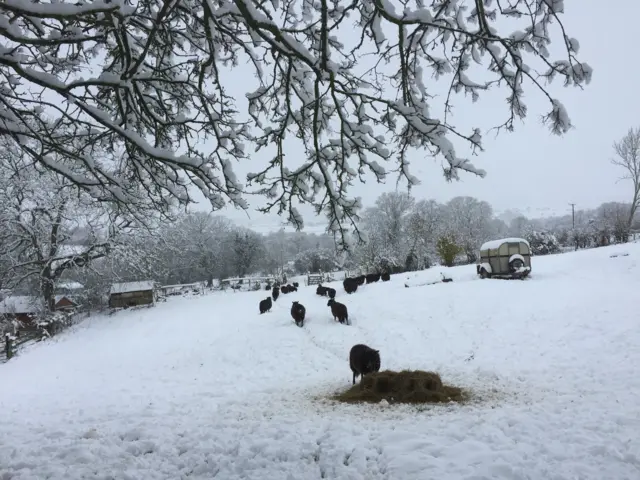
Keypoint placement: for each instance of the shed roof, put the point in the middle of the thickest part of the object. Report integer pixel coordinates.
(496, 243)
(20, 304)
(27, 303)
(127, 287)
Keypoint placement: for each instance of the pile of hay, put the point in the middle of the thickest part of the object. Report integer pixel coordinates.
(407, 386)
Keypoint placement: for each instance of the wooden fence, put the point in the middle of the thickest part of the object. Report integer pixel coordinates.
(317, 278)
(13, 343)
(314, 279)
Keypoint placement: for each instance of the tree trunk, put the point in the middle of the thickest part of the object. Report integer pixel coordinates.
(46, 286)
(634, 206)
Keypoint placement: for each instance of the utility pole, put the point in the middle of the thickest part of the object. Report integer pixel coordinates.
(573, 214)
(573, 219)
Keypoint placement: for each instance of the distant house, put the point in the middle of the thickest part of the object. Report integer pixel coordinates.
(64, 303)
(131, 294)
(25, 308)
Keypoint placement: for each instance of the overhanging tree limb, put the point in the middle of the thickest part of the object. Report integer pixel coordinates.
(152, 81)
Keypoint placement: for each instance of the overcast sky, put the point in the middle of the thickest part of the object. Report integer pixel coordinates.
(531, 169)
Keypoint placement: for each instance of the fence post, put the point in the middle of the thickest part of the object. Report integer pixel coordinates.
(8, 346)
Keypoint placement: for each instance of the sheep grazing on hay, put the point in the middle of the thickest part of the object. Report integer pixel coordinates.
(265, 305)
(339, 311)
(363, 360)
(298, 312)
(275, 293)
(350, 285)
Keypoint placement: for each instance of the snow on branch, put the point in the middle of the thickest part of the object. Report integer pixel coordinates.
(137, 93)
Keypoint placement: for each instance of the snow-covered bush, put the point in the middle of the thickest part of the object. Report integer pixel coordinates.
(387, 263)
(315, 261)
(543, 243)
(448, 250)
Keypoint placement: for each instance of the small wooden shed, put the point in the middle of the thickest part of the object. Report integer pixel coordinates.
(131, 294)
(65, 303)
(25, 308)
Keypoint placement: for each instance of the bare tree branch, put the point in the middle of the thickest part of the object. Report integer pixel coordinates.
(628, 157)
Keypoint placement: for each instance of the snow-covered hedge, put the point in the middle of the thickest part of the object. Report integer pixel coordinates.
(543, 243)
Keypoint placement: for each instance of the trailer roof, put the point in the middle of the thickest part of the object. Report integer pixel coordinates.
(493, 244)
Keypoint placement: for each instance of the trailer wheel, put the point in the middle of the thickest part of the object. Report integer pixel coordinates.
(483, 273)
(516, 264)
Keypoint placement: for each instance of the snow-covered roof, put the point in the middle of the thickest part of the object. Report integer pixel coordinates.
(20, 304)
(26, 303)
(183, 285)
(128, 287)
(496, 243)
(70, 285)
(60, 297)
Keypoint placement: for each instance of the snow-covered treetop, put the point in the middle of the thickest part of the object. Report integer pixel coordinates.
(130, 99)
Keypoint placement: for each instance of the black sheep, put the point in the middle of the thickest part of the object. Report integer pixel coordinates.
(292, 288)
(275, 293)
(339, 311)
(265, 305)
(360, 280)
(296, 284)
(284, 289)
(371, 277)
(376, 277)
(331, 292)
(297, 312)
(322, 291)
(350, 285)
(385, 277)
(363, 360)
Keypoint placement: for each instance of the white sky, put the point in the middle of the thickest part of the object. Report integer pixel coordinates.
(530, 169)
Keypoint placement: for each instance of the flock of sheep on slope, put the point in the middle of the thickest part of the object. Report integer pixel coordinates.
(362, 358)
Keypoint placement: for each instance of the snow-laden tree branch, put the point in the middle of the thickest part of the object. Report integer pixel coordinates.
(83, 81)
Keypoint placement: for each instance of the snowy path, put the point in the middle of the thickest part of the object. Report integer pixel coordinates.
(206, 388)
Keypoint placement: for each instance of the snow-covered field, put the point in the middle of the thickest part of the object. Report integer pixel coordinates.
(203, 388)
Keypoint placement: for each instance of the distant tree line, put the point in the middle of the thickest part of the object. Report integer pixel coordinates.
(51, 231)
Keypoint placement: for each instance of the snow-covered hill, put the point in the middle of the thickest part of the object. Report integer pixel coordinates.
(202, 388)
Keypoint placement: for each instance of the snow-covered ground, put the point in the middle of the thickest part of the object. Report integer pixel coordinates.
(205, 387)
